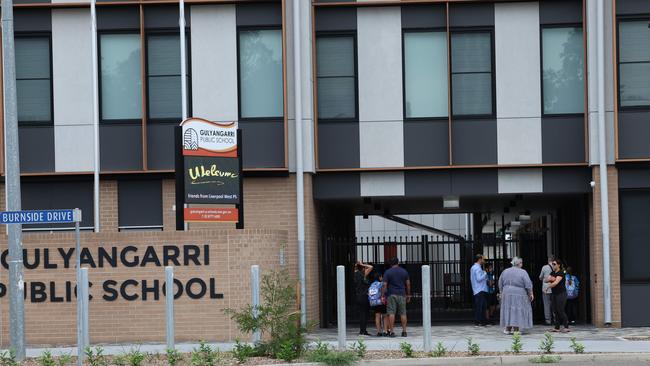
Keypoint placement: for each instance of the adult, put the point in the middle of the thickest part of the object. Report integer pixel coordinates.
(557, 282)
(572, 293)
(397, 289)
(546, 290)
(361, 285)
(478, 278)
(516, 295)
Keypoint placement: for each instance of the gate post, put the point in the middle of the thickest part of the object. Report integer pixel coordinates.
(426, 307)
(340, 301)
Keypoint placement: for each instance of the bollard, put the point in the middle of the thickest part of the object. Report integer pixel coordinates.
(169, 305)
(340, 304)
(84, 304)
(255, 297)
(426, 308)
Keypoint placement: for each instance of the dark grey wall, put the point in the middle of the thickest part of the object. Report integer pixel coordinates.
(472, 182)
(566, 180)
(32, 20)
(424, 16)
(338, 145)
(633, 134)
(120, 146)
(560, 11)
(263, 142)
(36, 149)
(471, 15)
(467, 182)
(164, 16)
(474, 141)
(628, 7)
(563, 139)
(259, 14)
(341, 185)
(425, 184)
(48, 195)
(426, 143)
(633, 176)
(336, 19)
(160, 146)
(118, 18)
(139, 202)
(634, 304)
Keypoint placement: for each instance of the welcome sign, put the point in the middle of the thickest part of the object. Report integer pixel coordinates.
(211, 180)
(206, 138)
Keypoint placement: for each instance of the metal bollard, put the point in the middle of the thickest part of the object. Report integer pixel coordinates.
(340, 304)
(85, 297)
(426, 308)
(255, 297)
(80, 320)
(169, 305)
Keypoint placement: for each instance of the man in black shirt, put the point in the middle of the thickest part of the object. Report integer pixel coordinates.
(361, 284)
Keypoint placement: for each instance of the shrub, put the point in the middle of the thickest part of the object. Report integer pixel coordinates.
(120, 360)
(359, 347)
(439, 351)
(322, 353)
(275, 317)
(204, 355)
(173, 356)
(8, 358)
(407, 349)
(547, 344)
(64, 360)
(134, 357)
(545, 359)
(472, 348)
(288, 351)
(576, 346)
(243, 351)
(95, 356)
(517, 346)
(46, 359)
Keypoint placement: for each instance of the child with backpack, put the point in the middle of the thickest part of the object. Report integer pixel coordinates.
(572, 292)
(377, 303)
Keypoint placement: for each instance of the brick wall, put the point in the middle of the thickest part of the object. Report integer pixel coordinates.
(596, 252)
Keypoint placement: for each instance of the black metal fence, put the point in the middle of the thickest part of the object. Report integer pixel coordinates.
(450, 259)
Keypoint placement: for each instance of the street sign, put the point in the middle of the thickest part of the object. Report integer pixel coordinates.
(40, 216)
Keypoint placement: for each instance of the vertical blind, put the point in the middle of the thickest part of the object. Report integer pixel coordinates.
(260, 73)
(33, 79)
(164, 76)
(120, 77)
(562, 68)
(425, 74)
(634, 63)
(336, 77)
(471, 73)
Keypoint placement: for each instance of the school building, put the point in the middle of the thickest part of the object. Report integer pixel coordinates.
(432, 130)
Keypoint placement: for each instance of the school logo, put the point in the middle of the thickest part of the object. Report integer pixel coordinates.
(206, 138)
(190, 139)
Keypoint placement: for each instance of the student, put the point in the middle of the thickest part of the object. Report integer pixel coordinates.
(361, 284)
(491, 293)
(572, 293)
(378, 303)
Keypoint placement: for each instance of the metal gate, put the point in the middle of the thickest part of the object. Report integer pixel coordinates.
(450, 259)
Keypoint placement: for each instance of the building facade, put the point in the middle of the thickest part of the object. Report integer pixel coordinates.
(406, 106)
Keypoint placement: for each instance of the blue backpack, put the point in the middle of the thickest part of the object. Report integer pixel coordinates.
(374, 294)
(572, 287)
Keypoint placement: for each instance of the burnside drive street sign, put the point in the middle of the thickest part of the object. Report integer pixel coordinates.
(39, 217)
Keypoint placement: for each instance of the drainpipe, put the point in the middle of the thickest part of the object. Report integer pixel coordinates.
(602, 152)
(300, 198)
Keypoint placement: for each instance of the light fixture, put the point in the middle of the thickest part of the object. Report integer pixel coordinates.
(450, 202)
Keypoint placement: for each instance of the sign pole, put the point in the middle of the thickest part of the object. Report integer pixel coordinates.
(180, 179)
(80, 317)
(240, 206)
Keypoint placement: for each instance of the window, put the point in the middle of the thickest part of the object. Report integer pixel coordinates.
(164, 77)
(471, 74)
(634, 63)
(139, 204)
(260, 73)
(121, 86)
(33, 79)
(425, 74)
(336, 74)
(57, 195)
(562, 70)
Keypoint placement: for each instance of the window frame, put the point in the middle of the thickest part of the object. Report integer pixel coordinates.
(541, 69)
(48, 36)
(188, 70)
(103, 121)
(355, 55)
(244, 28)
(448, 56)
(619, 19)
(482, 29)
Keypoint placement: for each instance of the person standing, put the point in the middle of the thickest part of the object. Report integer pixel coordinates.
(572, 293)
(546, 290)
(361, 285)
(557, 282)
(397, 288)
(516, 295)
(378, 303)
(491, 293)
(478, 278)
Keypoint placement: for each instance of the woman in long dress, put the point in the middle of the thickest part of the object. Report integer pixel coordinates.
(516, 291)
